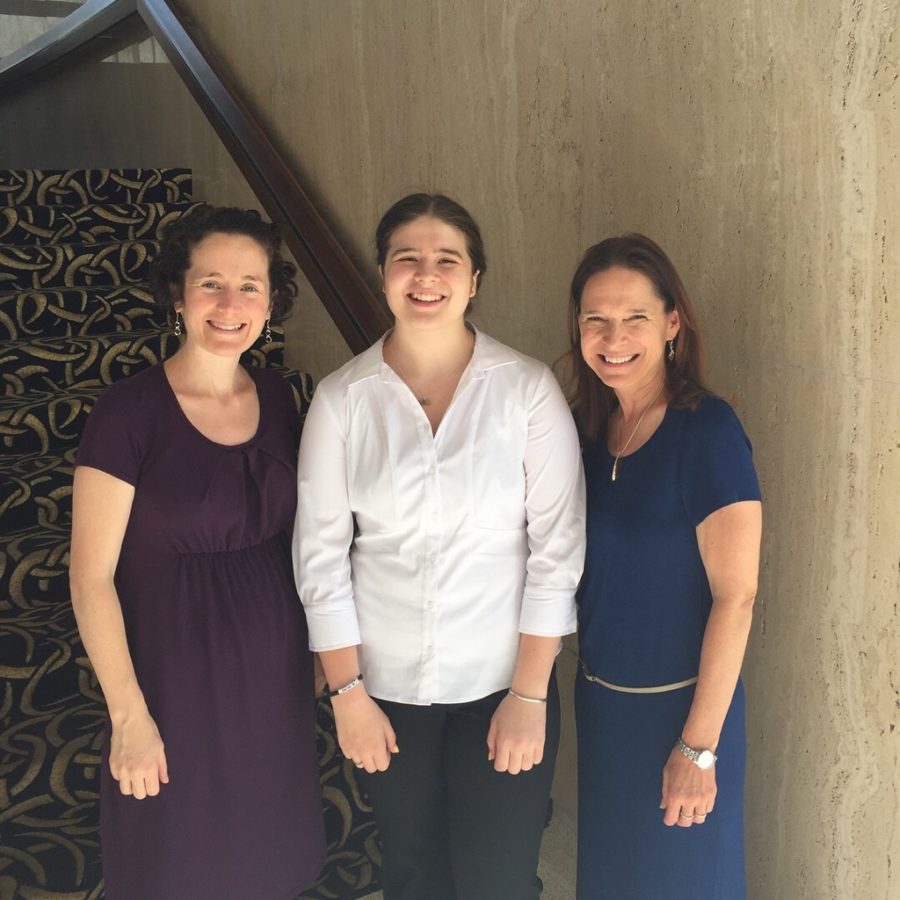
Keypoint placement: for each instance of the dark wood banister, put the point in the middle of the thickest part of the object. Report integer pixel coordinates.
(358, 314)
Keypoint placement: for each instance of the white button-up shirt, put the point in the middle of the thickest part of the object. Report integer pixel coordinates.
(434, 552)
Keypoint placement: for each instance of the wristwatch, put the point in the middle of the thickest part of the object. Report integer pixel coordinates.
(705, 759)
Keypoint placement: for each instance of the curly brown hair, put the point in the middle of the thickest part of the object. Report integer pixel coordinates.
(168, 268)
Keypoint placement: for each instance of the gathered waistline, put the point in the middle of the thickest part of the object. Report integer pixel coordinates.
(656, 689)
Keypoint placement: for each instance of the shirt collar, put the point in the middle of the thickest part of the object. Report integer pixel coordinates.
(487, 354)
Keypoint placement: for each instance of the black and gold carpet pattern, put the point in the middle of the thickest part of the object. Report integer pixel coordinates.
(75, 315)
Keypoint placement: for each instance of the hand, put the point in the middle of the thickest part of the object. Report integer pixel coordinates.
(687, 791)
(516, 737)
(364, 732)
(137, 759)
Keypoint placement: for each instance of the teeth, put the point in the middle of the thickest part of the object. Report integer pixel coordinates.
(618, 360)
(226, 327)
(427, 298)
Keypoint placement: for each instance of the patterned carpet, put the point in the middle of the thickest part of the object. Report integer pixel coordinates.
(75, 315)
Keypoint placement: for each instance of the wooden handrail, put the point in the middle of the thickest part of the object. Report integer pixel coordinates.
(89, 28)
(359, 315)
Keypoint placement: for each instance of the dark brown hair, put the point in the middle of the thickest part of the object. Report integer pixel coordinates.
(592, 401)
(168, 269)
(438, 206)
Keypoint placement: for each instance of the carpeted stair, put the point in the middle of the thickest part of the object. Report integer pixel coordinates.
(76, 315)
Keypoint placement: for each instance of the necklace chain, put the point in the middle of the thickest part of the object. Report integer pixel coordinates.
(615, 466)
(427, 401)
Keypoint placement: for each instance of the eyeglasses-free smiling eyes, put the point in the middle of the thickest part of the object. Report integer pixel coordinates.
(595, 322)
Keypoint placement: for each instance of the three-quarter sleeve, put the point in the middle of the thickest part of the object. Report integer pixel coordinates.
(716, 461)
(113, 439)
(323, 530)
(555, 513)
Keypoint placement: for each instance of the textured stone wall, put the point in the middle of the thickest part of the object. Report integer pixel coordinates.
(757, 141)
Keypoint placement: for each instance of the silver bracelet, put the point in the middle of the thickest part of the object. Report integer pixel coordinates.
(527, 699)
(347, 687)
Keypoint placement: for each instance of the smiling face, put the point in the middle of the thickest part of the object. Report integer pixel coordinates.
(226, 296)
(428, 277)
(624, 327)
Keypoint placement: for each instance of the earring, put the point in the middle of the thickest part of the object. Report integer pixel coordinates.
(177, 329)
(268, 333)
(670, 353)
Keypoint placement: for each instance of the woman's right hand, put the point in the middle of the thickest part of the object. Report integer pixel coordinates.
(137, 758)
(364, 732)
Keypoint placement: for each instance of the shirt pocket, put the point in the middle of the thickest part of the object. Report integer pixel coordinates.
(497, 477)
(509, 542)
(370, 480)
(377, 542)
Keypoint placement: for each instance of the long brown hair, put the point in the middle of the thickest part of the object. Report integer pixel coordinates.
(592, 401)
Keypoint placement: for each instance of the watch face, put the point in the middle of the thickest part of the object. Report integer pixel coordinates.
(706, 759)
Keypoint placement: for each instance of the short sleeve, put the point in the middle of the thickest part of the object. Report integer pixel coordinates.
(280, 401)
(716, 461)
(112, 440)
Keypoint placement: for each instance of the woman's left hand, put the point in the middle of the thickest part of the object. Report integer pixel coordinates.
(516, 737)
(688, 792)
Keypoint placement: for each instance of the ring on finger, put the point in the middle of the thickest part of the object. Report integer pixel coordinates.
(683, 815)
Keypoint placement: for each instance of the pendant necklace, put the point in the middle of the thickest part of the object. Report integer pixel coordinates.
(423, 401)
(615, 466)
(427, 401)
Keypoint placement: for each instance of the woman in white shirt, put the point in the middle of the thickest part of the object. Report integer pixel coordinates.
(439, 542)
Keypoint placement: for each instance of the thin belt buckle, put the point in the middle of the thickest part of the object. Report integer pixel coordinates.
(656, 689)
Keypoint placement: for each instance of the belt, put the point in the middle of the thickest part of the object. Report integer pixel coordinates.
(656, 689)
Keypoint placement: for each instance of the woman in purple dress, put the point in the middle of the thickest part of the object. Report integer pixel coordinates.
(664, 606)
(182, 586)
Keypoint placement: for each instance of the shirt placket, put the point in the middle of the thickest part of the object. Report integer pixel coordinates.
(431, 558)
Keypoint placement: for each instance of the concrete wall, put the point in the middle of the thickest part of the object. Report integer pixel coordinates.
(758, 142)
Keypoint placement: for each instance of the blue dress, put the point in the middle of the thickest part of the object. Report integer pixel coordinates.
(643, 605)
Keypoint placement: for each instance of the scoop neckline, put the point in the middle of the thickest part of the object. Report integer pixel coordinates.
(646, 443)
(252, 439)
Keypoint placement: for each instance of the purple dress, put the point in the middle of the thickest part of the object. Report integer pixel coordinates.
(218, 640)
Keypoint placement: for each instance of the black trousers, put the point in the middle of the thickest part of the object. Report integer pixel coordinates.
(451, 827)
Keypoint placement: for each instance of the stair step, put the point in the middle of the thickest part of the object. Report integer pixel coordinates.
(88, 224)
(67, 312)
(51, 420)
(301, 384)
(70, 187)
(75, 265)
(47, 364)
(36, 490)
(34, 574)
(44, 422)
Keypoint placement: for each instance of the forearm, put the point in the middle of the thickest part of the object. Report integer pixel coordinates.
(340, 666)
(534, 664)
(102, 629)
(722, 654)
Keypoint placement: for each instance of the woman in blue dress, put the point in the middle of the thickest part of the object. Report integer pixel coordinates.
(665, 604)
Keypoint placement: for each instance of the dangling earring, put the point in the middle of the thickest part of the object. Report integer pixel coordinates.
(670, 353)
(177, 329)
(268, 333)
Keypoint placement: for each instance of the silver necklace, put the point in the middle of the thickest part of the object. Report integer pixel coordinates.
(423, 401)
(427, 401)
(615, 466)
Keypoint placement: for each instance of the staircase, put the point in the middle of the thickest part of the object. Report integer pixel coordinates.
(76, 315)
